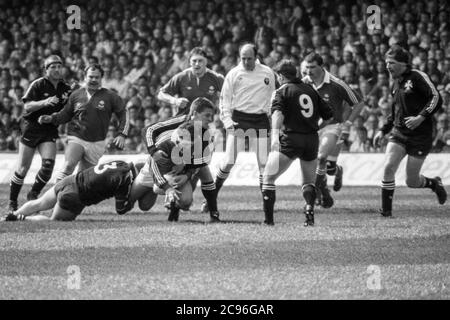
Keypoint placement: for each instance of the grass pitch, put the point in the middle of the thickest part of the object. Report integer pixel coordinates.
(351, 253)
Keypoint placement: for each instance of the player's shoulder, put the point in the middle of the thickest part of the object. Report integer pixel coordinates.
(213, 74)
(38, 82)
(337, 82)
(416, 74)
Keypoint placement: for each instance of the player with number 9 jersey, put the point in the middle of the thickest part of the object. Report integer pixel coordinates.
(302, 107)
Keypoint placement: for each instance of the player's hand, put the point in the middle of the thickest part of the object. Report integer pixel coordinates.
(173, 194)
(181, 103)
(229, 124)
(179, 180)
(377, 139)
(119, 141)
(413, 122)
(52, 101)
(45, 119)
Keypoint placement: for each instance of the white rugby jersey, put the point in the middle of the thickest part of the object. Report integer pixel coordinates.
(246, 91)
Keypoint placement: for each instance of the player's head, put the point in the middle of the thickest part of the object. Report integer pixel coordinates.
(202, 110)
(397, 61)
(52, 66)
(198, 61)
(313, 65)
(286, 71)
(94, 74)
(247, 55)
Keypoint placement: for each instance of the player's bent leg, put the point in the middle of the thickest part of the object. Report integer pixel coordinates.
(209, 192)
(61, 214)
(84, 164)
(148, 200)
(233, 145)
(26, 154)
(277, 164)
(395, 152)
(327, 144)
(73, 155)
(415, 180)
(262, 155)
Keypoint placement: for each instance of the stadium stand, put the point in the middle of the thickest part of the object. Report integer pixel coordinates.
(141, 44)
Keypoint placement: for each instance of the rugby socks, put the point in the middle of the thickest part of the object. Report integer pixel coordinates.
(220, 179)
(309, 194)
(269, 196)
(321, 178)
(331, 168)
(387, 194)
(43, 176)
(428, 183)
(15, 186)
(260, 182)
(210, 194)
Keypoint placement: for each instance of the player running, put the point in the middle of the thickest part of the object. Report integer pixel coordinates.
(335, 92)
(71, 195)
(296, 107)
(411, 125)
(45, 95)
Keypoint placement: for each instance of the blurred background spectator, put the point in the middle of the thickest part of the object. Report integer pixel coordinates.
(141, 44)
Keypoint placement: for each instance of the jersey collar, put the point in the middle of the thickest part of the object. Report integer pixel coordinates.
(326, 79)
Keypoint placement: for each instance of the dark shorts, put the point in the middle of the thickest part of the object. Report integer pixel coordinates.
(32, 136)
(68, 196)
(416, 146)
(259, 123)
(298, 145)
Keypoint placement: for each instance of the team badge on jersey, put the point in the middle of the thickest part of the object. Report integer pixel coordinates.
(101, 105)
(326, 97)
(266, 81)
(188, 88)
(408, 86)
(211, 90)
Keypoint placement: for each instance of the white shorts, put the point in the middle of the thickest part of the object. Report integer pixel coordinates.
(145, 176)
(93, 151)
(331, 129)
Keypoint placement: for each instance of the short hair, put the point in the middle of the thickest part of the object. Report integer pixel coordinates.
(198, 51)
(93, 67)
(286, 68)
(201, 104)
(251, 45)
(314, 56)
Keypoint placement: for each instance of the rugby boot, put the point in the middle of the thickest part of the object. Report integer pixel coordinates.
(327, 199)
(309, 216)
(440, 191)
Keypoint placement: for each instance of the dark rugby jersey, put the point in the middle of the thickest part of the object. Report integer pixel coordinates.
(335, 91)
(301, 106)
(111, 179)
(185, 84)
(413, 95)
(197, 158)
(90, 118)
(41, 89)
(158, 132)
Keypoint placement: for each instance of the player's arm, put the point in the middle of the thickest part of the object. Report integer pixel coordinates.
(325, 111)
(169, 91)
(31, 102)
(61, 117)
(277, 119)
(225, 102)
(152, 132)
(386, 128)
(122, 114)
(426, 88)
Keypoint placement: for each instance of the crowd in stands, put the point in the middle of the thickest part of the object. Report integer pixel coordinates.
(141, 44)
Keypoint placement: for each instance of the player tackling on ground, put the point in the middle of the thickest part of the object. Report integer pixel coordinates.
(296, 107)
(411, 125)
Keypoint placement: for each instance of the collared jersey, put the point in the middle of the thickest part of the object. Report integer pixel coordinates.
(90, 116)
(301, 106)
(185, 84)
(247, 91)
(41, 89)
(111, 179)
(335, 91)
(414, 95)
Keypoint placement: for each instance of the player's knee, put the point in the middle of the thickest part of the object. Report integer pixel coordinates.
(48, 165)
